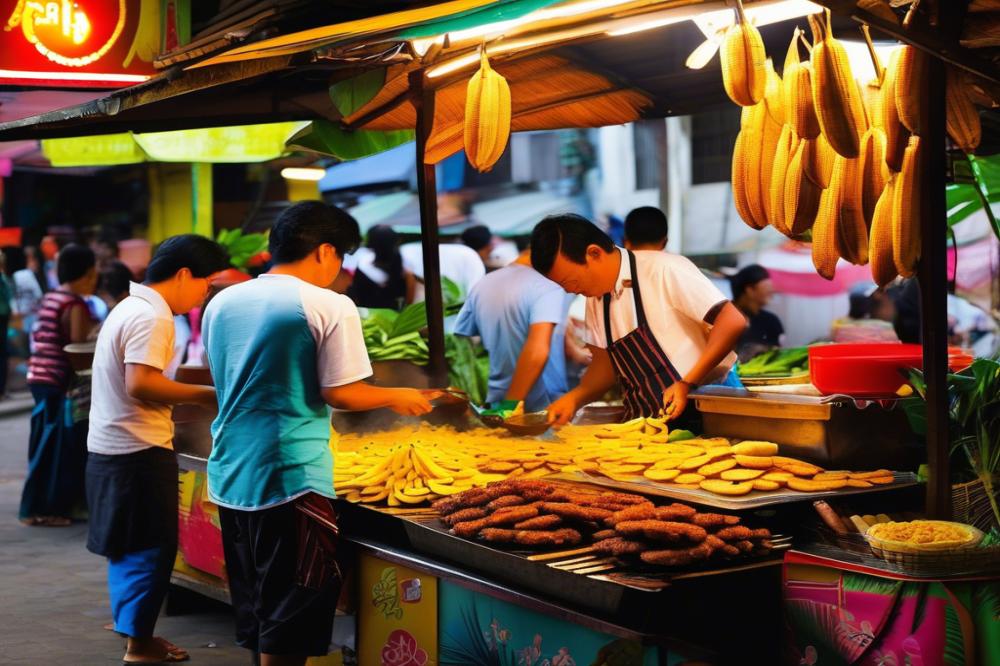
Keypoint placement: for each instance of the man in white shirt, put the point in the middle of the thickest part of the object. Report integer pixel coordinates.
(654, 321)
(131, 466)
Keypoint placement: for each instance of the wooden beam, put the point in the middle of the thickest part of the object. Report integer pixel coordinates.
(423, 102)
(932, 39)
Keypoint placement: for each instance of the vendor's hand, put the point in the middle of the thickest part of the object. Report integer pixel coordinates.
(562, 410)
(675, 399)
(410, 402)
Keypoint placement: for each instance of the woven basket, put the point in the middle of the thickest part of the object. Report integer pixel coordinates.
(971, 505)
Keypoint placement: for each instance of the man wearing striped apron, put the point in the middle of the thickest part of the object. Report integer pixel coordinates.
(654, 321)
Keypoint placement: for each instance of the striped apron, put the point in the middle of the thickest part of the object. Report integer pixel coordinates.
(642, 366)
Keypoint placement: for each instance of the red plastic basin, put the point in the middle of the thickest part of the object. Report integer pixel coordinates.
(862, 370)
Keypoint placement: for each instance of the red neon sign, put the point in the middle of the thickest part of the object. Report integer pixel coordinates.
(77, 43)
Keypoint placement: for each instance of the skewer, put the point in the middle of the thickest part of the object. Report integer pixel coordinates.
(596, 569)
(579, 566)
(545, 557)
(575, 560)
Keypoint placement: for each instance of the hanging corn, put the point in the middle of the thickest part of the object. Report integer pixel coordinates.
(487, 116)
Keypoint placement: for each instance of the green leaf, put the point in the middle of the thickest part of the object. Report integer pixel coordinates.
(350, 95)
(326, 138)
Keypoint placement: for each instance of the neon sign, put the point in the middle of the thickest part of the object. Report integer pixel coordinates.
(78, 42)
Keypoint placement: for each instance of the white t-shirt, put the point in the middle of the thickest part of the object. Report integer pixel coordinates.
(676, 296)
(139, 330)
(459, 263)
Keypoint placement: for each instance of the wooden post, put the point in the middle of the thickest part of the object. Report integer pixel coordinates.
(423, 102)
(933, 276)
(933, 273)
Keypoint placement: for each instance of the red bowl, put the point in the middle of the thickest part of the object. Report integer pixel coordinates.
(862, 370)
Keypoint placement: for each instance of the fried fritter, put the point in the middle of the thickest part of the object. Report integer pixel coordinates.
(498, 535)
(545, 522)
(560, 537)
(619, 546)
(677, 557)
(662, 530)
(711, 520)
(734, 533)
(505, 501)
(633, 512)
(675, 512)
(573, 511)
(511, 515)
(463, 515)
(469, 528)
(744, 546)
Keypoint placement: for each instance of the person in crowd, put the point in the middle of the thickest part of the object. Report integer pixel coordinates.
(480, 239)
(646, 229)
(57, 448)
(654, 321)
(520, 315)
(459, 263)
(105, 248)
(29, 283)
(869, 318)
(6, 309)
(131, 467)
(281, 348)
(380, 281)
(115, 283)
(752, 291)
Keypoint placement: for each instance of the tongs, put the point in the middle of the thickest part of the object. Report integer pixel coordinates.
(522, 425)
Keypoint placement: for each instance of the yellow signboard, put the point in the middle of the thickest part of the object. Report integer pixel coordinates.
(397, 615)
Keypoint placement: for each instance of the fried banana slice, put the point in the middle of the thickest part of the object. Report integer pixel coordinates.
(755, 448)
(811, 486)
(723, 487)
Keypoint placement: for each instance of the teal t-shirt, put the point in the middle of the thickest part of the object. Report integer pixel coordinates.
(273, 344)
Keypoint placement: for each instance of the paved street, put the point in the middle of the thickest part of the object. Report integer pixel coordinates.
(53, 600)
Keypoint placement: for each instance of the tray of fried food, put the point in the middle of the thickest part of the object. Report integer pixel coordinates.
(530, 513)
(676, 535)
(718, 467)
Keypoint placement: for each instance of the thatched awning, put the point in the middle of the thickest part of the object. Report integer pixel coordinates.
(547, 92)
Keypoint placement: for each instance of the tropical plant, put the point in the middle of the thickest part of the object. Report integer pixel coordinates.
(977, 184)
(240, 246)
(974, 420)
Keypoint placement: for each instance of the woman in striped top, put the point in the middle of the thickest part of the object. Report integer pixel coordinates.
(57, 448)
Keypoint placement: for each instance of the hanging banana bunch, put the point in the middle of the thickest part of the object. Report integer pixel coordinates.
(907, 211)
(896, 135)
(797, 79)
(961, 117)
(487, 116)
(836, 96)
(742, 55)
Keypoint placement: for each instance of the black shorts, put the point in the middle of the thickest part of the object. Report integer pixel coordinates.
(274, 615)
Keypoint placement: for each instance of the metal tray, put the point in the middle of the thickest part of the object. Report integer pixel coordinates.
(752, 500)
(828, 432)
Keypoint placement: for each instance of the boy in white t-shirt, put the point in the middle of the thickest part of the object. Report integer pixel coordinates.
(131, 466)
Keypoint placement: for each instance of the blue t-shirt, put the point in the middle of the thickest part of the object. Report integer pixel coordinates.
(500, 309)
(272, 345)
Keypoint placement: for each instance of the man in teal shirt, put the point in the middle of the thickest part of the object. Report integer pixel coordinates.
(282, 348)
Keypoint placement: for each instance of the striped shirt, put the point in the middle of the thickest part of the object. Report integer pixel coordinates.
(49, 364)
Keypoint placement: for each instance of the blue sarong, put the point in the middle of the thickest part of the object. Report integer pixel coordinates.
(137, 586)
